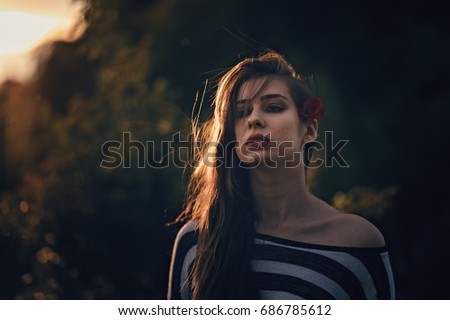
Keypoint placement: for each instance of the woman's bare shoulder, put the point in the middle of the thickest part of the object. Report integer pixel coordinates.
(347, 229)
(356, 231)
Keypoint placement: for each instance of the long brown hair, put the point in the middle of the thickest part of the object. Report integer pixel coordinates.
(219, 199)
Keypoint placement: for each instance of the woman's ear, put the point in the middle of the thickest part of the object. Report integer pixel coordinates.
(311, 131)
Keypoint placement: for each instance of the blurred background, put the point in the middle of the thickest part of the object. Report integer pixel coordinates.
(75, 74)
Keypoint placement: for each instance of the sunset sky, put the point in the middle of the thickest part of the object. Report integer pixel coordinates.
(26, 24)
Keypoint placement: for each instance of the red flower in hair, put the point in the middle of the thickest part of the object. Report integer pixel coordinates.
(312, 109)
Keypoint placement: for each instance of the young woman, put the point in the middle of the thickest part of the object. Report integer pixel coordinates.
(254, 231)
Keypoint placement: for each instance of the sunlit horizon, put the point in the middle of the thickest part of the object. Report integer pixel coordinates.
(24, 26)
(21, 31)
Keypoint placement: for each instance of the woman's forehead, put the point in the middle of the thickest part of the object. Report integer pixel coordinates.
(253, 88)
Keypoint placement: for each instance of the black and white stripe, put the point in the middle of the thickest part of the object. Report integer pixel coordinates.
(286, 269)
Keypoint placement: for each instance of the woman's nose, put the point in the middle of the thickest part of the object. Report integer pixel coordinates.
(255, 120)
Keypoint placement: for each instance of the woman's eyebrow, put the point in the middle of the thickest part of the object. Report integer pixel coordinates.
(273, 95)
(264, 97)
(243, 101)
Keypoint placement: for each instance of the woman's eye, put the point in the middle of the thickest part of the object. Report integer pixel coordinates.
(244, 112)
(274, 108)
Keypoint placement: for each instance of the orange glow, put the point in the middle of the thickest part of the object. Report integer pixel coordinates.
(26, 25)
(24, 206)
(21, 31)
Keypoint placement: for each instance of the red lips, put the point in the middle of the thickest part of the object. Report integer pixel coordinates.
(257, 141)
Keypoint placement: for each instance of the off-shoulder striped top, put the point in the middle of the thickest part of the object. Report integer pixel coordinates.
(286, 269)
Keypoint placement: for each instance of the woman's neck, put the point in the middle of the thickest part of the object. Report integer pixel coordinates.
(280, 195)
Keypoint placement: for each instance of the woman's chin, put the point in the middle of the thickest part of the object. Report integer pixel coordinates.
(258, 161)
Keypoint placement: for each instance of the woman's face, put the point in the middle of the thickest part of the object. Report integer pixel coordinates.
(268, 128)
